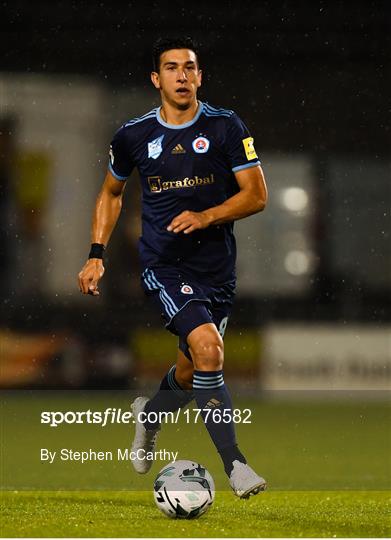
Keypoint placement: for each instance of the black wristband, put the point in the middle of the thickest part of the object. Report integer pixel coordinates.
(96, 251)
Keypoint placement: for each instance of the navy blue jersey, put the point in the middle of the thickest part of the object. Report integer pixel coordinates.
(189, 166)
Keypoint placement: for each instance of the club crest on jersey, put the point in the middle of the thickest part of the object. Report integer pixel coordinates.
(155, 147)
(186, 289)
(201, 145)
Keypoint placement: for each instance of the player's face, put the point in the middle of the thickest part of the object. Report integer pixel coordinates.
(179, 77)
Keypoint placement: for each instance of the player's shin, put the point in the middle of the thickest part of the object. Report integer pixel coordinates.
(169, 398)
(214, 400)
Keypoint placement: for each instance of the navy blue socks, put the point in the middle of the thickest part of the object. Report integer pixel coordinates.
(213, 398)
(169, 398)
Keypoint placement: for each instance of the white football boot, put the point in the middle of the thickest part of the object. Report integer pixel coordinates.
(244, 481)
(144, 439)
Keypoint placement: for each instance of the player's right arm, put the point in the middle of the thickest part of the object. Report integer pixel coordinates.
(107, 210)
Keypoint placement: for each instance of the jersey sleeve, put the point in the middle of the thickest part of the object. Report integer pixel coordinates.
(121, 162)
(240, 145)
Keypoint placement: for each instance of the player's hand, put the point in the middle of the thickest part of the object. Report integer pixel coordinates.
(189, 221)
(89, 276)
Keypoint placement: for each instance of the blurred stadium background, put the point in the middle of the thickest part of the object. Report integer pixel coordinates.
(311, 82)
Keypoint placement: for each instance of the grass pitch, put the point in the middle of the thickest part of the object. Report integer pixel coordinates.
(327, 464)
(273, 514)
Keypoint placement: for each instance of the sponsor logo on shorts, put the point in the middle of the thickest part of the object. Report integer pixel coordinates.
(201, 145)
(186, 289)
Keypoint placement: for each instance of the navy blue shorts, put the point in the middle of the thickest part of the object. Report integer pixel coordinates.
(186, 302)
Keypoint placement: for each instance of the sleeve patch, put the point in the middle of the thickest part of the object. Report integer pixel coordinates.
(249, 149)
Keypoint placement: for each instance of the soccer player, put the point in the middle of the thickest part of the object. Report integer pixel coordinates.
(199, 173)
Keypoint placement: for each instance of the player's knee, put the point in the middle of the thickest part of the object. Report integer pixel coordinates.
(206, 348)
(208, 354)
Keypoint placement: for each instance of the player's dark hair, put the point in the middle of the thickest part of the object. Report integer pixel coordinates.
(166, 44)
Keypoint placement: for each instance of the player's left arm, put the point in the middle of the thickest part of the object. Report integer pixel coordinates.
(251, 198)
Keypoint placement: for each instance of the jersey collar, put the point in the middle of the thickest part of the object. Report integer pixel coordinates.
(180, 126)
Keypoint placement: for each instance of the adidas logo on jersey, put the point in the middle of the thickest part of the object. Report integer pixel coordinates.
(178, 149)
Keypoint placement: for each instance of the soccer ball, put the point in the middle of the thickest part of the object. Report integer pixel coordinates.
(184, 489)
